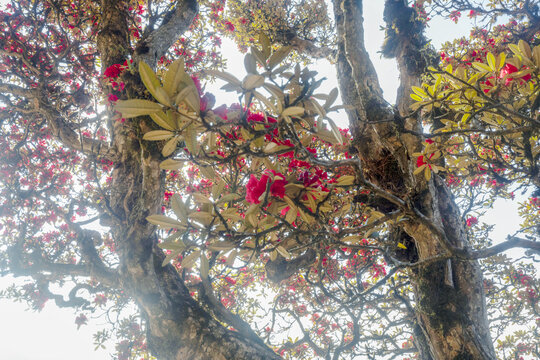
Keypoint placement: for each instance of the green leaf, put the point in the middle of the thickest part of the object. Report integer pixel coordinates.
(190, 136)
(190, 96)
(345, 180)
(163, 120)
(173, 245)
(179, 208)
(525, 49)
(501, 59)
(280, 249)
(201, 199)
(203, 217)
(170, 146)
(481, 66)
(151, 82)
(228, 197)
(258, 55)
(293, 111)
(491, 61)
(156, 135)
(250, 64)
(137, 107)
(165, 222)
(174, 76)
(228, 77)
(221, 246)
(231, 258)
(416, 97)
(419, 91)
(205, 266)
(266, 45)
(265, 101)
(171, 164)
(331, 98)
(278, 56)
(170, 257)
(190, 260)
(252, 81)
(335, 131)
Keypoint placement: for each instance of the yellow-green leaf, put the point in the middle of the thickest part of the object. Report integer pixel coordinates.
(205, 266)
(179, 208)
(266, 45)
(331, 98)
(221, 246)
(278, 56)
(163, 120)
(164, 222)
(293, 111)
(170, 257)
(250, 64)
(170, 146)
(491, 61)
(252, 81)
(335, 131)
(137, 107)
(416, 97)
(345, 180)
(174, 76)
(280, 249)
(481, 66)
(228, 77)
(190, 260)
(156, 135)
(171, 164)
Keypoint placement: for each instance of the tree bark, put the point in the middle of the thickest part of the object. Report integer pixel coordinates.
(178, 327)
(451, 319)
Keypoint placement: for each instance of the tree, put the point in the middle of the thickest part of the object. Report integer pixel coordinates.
(366, 239)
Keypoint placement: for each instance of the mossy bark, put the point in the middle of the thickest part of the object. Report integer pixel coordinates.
(178, 327)
(451, 320)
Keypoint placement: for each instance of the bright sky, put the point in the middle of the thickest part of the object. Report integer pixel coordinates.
(52, 333)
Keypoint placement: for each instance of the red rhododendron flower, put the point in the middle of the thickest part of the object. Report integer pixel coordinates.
(229, 26)
(420, 161)
(114, 71)
(509, 69)
(472, 221)
(255, 187)
(221, 111)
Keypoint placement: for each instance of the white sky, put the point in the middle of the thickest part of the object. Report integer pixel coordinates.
(52, 333)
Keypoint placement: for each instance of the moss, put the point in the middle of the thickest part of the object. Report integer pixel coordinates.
(442, 304)
(464, 355)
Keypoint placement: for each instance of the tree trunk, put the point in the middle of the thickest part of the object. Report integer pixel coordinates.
(450, 306)
(178, 327)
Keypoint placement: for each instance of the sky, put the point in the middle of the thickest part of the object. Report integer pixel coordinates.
(52, 333)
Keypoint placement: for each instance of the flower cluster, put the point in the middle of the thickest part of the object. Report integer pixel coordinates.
(256, 187)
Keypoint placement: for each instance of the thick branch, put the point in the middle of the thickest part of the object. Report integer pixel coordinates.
(156, 44)
(59, 126)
